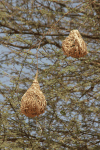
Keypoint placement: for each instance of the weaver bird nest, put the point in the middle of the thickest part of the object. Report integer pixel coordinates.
(33, 102)
(74, 45)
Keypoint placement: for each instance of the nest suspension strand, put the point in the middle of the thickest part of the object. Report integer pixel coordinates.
(33, 102)
(74, 45)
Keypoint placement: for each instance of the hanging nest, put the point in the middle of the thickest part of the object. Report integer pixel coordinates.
(33, 102)
(74, 45)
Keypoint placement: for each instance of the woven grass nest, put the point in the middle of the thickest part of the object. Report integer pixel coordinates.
(74, 45)
(33, 102)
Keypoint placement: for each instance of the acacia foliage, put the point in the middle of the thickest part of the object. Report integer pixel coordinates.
(71, 86)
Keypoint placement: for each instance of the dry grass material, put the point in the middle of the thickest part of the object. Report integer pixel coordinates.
(33, 102)
(74, 45)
